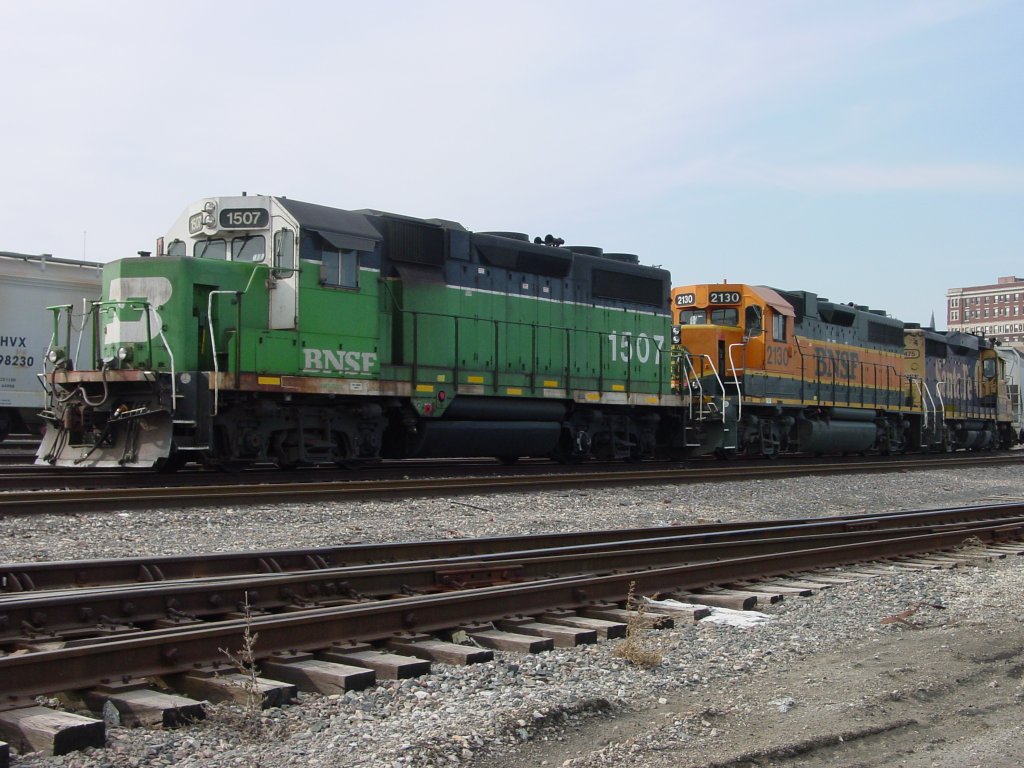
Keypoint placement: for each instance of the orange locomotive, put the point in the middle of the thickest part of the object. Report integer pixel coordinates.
(773, 372)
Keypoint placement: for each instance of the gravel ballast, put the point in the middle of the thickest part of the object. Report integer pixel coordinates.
(581, 707)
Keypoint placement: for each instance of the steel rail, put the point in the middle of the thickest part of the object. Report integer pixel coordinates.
(105, 499)
(17, 459)
(177, 650)
(31, 576)
(271, 473)
(92, 611)
(40, 477)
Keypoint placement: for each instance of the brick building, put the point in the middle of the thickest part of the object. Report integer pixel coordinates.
(994, 311)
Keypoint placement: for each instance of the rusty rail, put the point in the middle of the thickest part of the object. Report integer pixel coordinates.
(167, 651)
(29, 576)
(105, 499)
(83, 612)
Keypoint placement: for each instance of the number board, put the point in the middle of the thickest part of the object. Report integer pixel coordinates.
(685, 299)
(244, 218)
(724, 297)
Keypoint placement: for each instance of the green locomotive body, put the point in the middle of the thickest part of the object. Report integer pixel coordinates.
(271, 330)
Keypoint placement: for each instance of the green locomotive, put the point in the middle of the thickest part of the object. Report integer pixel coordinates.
(271, 330)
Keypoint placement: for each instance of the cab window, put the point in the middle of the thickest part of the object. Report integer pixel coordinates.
(693, 317)
(988, 368)
(284, 250)
(211, 249)
(752, 321)
(339, 268)
(727, 316)
(778, 327)
(250, 248)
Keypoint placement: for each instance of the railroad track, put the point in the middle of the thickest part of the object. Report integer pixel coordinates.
(30, 476)
(330, 629)
(34, 576)
(245, 490)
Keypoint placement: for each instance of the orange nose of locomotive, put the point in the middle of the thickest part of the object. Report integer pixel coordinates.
(710, 322)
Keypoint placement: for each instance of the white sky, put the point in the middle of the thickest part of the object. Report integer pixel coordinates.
(870, 151)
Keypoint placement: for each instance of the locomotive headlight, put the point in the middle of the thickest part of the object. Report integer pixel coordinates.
(208, 219)
(209, 206)
(124, 354)
(55, 355)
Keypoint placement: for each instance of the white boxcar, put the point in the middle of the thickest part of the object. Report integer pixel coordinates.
(28, 285)
(1013, 357)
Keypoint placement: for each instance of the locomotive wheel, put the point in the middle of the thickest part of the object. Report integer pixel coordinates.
(284, 458)
(171, 463)
(770, 442)
(566, 458)
(570, 451)
(231, 467)
(354, 463)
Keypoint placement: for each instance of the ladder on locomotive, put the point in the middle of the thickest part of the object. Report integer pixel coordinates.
(707, 409)
(933, 414)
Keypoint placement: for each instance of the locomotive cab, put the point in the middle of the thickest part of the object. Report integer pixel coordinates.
(728, 336)
(991, 376)
(728, 331)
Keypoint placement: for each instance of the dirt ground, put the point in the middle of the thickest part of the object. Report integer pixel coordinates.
(927, 697)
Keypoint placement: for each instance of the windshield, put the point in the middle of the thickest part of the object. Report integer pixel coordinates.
(249, 248)
(210, 249)
(726, 316)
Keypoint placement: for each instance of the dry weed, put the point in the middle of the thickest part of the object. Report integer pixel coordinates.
(245, 716)
(637, 648)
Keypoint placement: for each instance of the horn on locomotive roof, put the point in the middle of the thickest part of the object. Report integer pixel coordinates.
(551, 240)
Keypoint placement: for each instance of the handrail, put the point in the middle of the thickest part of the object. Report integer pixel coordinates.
(927, 401)
(688, 363)
(81, 330)
(151, 314)
(700, 386)
(97, 308)
(736, 381)
(920, 393)
(837, 383)
(57, 310)
(213, 344)
(170, 355)
(931, 402)
(701, 412)
(213, 334)
(498, 324)
(942, 405)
